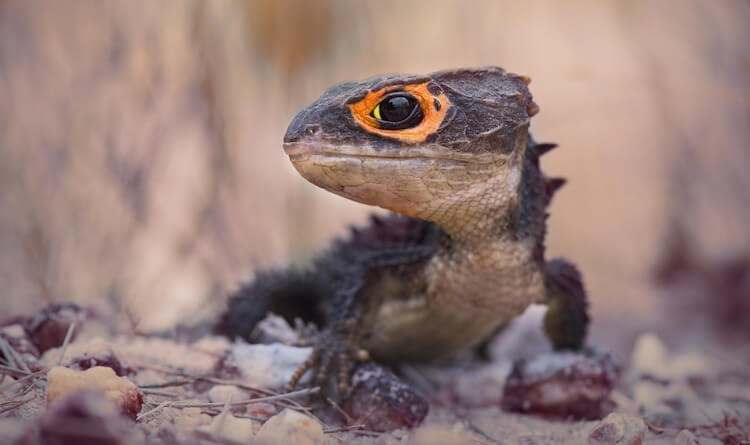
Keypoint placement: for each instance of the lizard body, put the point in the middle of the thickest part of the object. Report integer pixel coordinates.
(450, 154)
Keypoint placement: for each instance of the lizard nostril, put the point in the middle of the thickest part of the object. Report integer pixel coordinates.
(312, 129)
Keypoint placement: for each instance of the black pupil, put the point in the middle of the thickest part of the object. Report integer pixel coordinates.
(396, 109)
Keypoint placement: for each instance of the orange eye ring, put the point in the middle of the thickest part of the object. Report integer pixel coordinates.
(398, 111)
(433, 108)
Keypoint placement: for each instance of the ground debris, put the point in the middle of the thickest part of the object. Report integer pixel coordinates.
(107, 359)
(291, 427)
(266, 366)
(82, 417)
(618, 429)
(47, 328)
(573, 385)
(189, 387)
(382, 402)
(126, 396)
(226, 426)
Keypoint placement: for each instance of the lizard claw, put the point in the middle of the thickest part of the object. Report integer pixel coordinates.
(334, 353)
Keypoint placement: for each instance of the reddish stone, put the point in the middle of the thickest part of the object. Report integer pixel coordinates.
(382, 402)
(83, 417)
(564, 385)
(47, 328)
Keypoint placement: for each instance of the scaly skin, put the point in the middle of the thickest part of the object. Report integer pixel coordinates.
(468, 255)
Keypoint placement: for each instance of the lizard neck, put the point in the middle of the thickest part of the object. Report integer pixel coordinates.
(493, 261)
(499, 199)
(489, 208)
(491, 205)
(506, 199)
(501, 208)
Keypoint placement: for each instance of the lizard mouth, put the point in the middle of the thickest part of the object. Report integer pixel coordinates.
(300, 151)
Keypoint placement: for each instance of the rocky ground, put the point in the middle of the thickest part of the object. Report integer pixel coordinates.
(68, 376)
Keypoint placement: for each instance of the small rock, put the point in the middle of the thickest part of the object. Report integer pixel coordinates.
(264, 366)
(127, 397)
(82, 416)
(48, 327)
(13, 330)
(618, 429)
(274, 329)
(382, 402)
(291, 427)
(562, 384)
(686, 438)
(650, 358)
(222, 393)
(226, 426)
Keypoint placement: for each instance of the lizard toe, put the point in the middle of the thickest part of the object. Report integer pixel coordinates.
(331, 361)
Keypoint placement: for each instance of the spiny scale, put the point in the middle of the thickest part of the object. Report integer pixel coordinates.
(544, 148)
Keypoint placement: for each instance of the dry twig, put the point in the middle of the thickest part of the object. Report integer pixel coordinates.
(13, 404)
(168, 383)
(344, 429)
(65, 342)
(340, 410)
(187, 404)
(13, 356)
(298, 393)
(191, 378)
(14, 372)
(21, 380)
(4, 346)
(153, 392)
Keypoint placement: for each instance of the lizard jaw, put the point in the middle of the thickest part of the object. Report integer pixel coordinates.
(300, 150)
(427, 182)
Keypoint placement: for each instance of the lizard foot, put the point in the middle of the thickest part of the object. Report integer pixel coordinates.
(334, 352)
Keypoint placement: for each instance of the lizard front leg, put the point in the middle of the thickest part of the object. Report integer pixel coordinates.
(337, 346)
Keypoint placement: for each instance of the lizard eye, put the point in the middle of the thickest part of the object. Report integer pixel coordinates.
(398, 111)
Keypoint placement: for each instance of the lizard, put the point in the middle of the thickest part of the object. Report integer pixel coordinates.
(450, 155)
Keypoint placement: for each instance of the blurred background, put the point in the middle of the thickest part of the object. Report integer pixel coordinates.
(141, 168)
